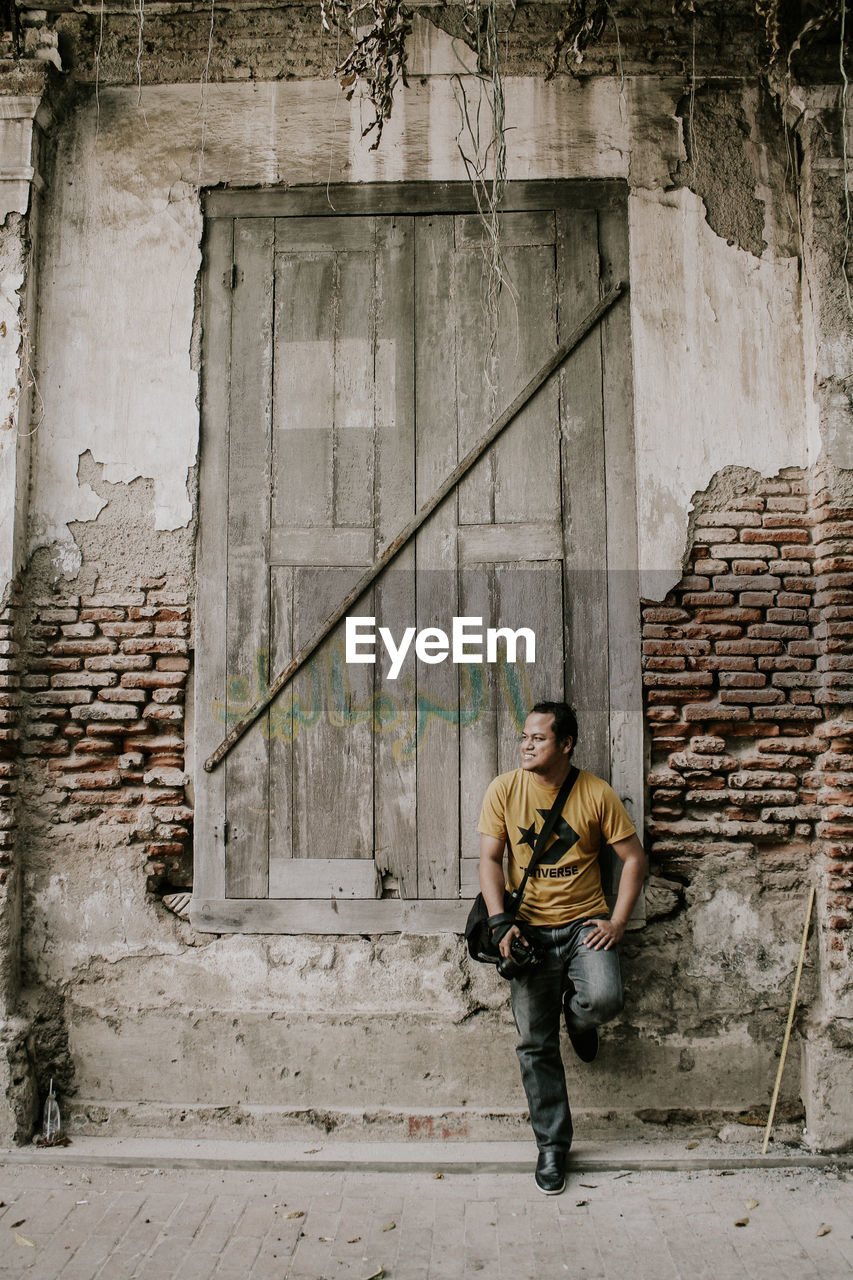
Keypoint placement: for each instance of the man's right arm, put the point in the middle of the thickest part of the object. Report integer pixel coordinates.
(492, 884)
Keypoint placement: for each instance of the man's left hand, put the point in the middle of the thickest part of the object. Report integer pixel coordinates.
(605, 934)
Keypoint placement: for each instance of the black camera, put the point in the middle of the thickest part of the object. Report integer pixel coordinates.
(521, 956)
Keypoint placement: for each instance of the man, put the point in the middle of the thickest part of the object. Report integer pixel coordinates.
(563, 911)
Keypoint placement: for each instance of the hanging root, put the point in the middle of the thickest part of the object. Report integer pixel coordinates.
(482, 146)
(378, 59)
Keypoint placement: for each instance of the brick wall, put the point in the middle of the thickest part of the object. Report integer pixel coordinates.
(275, 41)
(10, 695)
(104, 694)
(748, 672)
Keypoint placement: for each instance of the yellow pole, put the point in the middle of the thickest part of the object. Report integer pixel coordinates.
(791, 1013)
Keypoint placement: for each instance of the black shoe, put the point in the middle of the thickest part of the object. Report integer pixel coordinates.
(550, 1173)
(584, 1043)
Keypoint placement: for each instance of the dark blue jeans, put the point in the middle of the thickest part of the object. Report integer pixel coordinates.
(537, 995)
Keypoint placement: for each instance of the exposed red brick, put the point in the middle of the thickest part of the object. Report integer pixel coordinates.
(154, 645)
(119, 629)
(742, 679)
(657, 613)
(171, 628)
(102, 615)
(82, 679)
(53, 664)
(155, 613)
(786, 523)
(120, 662)
(83, 648)
(777, 631)
(713, 713)
(153, 680)
(786, 504)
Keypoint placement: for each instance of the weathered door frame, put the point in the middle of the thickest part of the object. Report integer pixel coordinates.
(211, 910)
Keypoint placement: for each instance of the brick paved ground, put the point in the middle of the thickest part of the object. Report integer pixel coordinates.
(71, 1223)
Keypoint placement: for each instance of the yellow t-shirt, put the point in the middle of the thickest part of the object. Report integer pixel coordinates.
(566, 884)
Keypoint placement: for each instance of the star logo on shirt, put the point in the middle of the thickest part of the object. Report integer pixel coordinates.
(566, 838)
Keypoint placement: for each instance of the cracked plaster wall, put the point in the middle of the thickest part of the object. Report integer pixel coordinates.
(13, 262)
(716, 330)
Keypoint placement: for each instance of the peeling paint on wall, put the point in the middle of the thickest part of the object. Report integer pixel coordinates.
(718, 367)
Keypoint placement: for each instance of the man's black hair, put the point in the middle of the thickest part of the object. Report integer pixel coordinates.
(565, 720)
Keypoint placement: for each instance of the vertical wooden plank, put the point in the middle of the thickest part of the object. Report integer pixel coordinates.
(437, 689)
(355, 324)
(477, 403)
(480, 691)
(584, 515)
(333, 749)
(282, 725)
(626, 709)
(477, 375)
(527, 482)
(531, 595)
(518, 481)
(210, 675)
(395, 720)
(304, 385)
(324, 414)
(247, 623)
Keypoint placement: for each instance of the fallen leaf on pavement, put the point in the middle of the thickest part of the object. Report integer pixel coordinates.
(742, 1222)
(593, 1185)
(824, 1229)
(438, 1175)
(580, 1203)
(354, 1240)
(23, 1240)
(325, 1239)
(296, 1213)
(312, 1151)
(389, 1226)
(691, 1146)
(751, 1204)
(19, 1223)
(726, 1173)
(376, 1275)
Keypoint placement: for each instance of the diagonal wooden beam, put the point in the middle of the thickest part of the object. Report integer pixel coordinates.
(419, 518)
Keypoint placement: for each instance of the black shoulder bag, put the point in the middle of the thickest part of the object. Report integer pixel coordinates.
(477, 932)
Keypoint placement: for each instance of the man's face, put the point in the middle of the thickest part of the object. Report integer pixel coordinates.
(540, 750)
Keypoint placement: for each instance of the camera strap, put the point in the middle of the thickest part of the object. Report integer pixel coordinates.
(544, 836)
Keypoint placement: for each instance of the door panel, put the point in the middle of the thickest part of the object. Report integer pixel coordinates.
(365, 365)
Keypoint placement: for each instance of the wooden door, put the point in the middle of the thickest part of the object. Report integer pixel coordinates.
(364, 361)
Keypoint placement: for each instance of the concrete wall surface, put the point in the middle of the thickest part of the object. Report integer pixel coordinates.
(147, 1024)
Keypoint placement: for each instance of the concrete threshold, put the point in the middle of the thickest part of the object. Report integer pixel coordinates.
(614, 1156)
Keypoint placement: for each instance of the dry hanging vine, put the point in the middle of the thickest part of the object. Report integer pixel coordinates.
(583, 25)
(482, 147)
(378, 55)
(378, 61)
